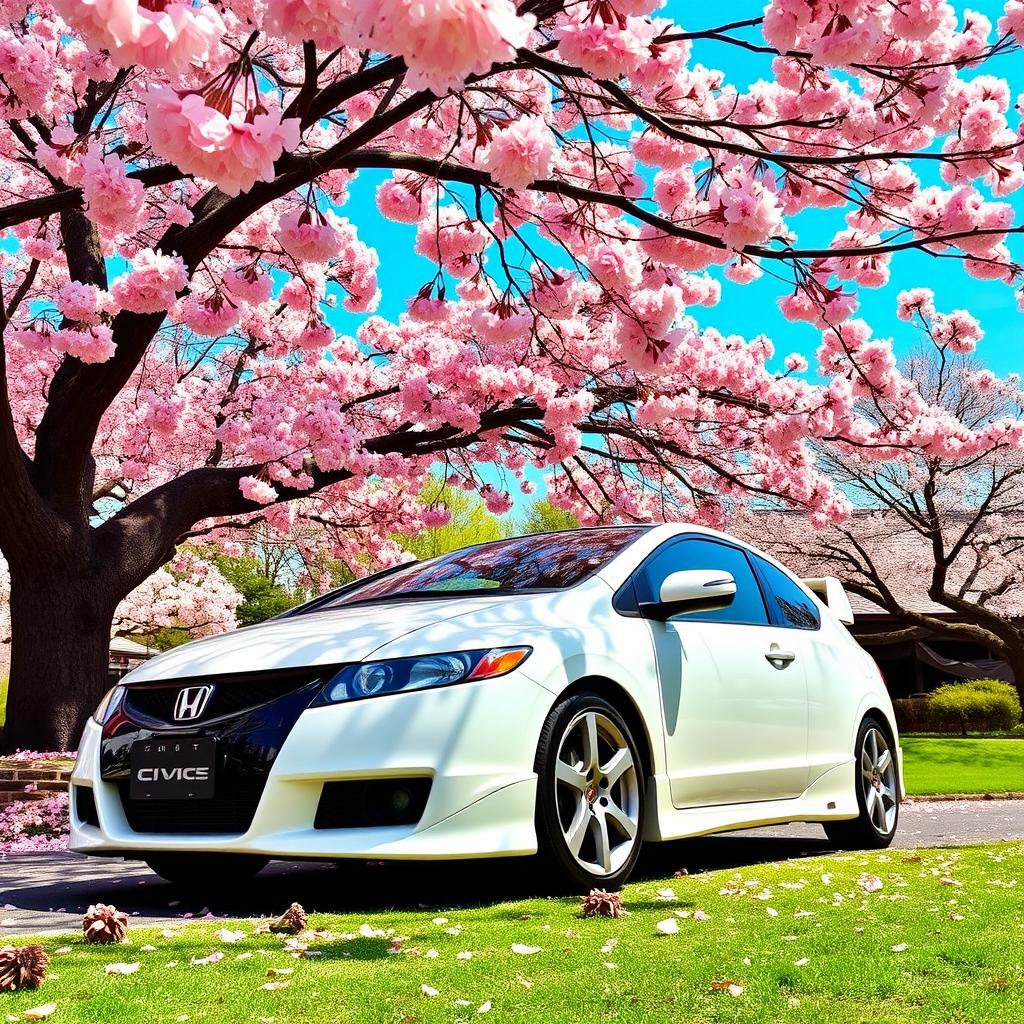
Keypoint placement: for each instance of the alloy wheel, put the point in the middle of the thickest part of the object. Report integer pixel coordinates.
(597, 793)
(878, 779)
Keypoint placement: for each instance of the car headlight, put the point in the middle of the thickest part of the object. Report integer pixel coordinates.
(111, 702)
(378, 678)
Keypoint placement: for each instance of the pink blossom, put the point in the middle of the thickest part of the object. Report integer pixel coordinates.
(92, 344)
(114, 200)
(257, 490)
(520, 153)
(498, 503)
(169, 36)
(428, 309)
(35, 826)
(210, 316)
(307, 234)
(327, 24)
(233, 152)
(401, 199)
(744, 270)
(248, 285)
(1012, 21)
(914, 302)
(606, 50)
(445, 41)
(81, 302)
(151, 284)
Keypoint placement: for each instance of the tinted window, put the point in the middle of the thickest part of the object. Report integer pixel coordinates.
(795, 609)
(550, 561)
(747, 606)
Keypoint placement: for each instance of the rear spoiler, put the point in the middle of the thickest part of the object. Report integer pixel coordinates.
(830, 591)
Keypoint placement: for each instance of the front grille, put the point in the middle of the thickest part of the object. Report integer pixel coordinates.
(231, 695)
(230, 812)
(365, 803)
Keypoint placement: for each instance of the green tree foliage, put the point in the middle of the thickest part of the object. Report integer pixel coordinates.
(263, 598)
(543, 517)
(470, 523)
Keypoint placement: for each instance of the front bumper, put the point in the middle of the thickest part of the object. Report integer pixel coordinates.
(475, 741)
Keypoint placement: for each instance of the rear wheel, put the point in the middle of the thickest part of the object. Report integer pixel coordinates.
(204, 871)
(590, 801)
(878, 797)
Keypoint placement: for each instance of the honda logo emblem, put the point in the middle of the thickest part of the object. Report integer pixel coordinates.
(191, 702)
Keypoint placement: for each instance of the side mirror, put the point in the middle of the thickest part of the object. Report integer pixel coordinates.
(692, 590)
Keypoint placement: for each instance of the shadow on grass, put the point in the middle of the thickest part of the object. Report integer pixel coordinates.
(48, 882)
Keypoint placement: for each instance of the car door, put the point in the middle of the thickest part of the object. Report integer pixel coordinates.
(733, 688)
(825, 651)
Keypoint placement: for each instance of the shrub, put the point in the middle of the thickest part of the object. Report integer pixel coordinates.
(977, 705)
(912, 714)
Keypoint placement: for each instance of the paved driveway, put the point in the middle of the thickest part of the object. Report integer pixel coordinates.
(49, 892)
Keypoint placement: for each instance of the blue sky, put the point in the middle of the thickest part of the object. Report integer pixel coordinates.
(752, 309)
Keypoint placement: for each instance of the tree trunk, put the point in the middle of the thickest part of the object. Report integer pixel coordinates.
(60, 645)
(1015, 659)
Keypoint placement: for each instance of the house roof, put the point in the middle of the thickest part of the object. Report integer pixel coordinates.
(902, 554)
(129, 648)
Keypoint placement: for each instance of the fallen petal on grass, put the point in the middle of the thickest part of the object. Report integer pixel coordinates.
(121, 968)
(40, 1012)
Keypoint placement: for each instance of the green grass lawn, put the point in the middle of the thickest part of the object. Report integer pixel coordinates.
(955, 765)
(804, 940)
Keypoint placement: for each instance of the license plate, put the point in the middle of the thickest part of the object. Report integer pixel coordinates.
(173, 769)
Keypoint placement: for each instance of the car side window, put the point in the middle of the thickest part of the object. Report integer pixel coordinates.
(746, 607)
(794, 608)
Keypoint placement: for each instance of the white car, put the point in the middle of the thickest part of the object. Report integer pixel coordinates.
(570, 693)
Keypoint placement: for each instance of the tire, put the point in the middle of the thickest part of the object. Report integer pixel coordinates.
(206, 871)
(590, 795)
(877, 788)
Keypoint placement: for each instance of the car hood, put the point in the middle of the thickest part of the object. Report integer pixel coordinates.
(316, 638)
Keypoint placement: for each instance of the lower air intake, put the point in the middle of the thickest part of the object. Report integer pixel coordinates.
(372, 803)
(230, 812)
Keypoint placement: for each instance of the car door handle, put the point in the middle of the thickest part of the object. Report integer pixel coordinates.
(775, 653)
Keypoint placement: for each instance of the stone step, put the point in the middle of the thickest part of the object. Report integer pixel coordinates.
(22, 797)
(44, 785)
(34, 775)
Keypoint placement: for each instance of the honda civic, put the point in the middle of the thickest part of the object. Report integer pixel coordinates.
(570, 694)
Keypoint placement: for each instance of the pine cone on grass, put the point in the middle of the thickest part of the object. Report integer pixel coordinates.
(601, 904)
(103, 923)
(292, 920)
(22, 967)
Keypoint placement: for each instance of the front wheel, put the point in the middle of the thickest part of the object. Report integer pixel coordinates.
(590, 800)
(206, 871)
(878, 797)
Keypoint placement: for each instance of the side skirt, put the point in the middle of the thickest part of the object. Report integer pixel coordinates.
(831, 797)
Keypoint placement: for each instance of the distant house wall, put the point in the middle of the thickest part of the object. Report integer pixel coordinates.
(915, 667)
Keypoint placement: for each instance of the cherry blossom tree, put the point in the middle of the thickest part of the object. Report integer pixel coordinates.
(175, 183)
(943, 521)
(188, 594)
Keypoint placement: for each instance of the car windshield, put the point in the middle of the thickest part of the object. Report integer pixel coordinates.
(549, 561)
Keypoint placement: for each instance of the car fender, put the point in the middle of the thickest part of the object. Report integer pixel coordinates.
(879, 700)
(639, 688)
